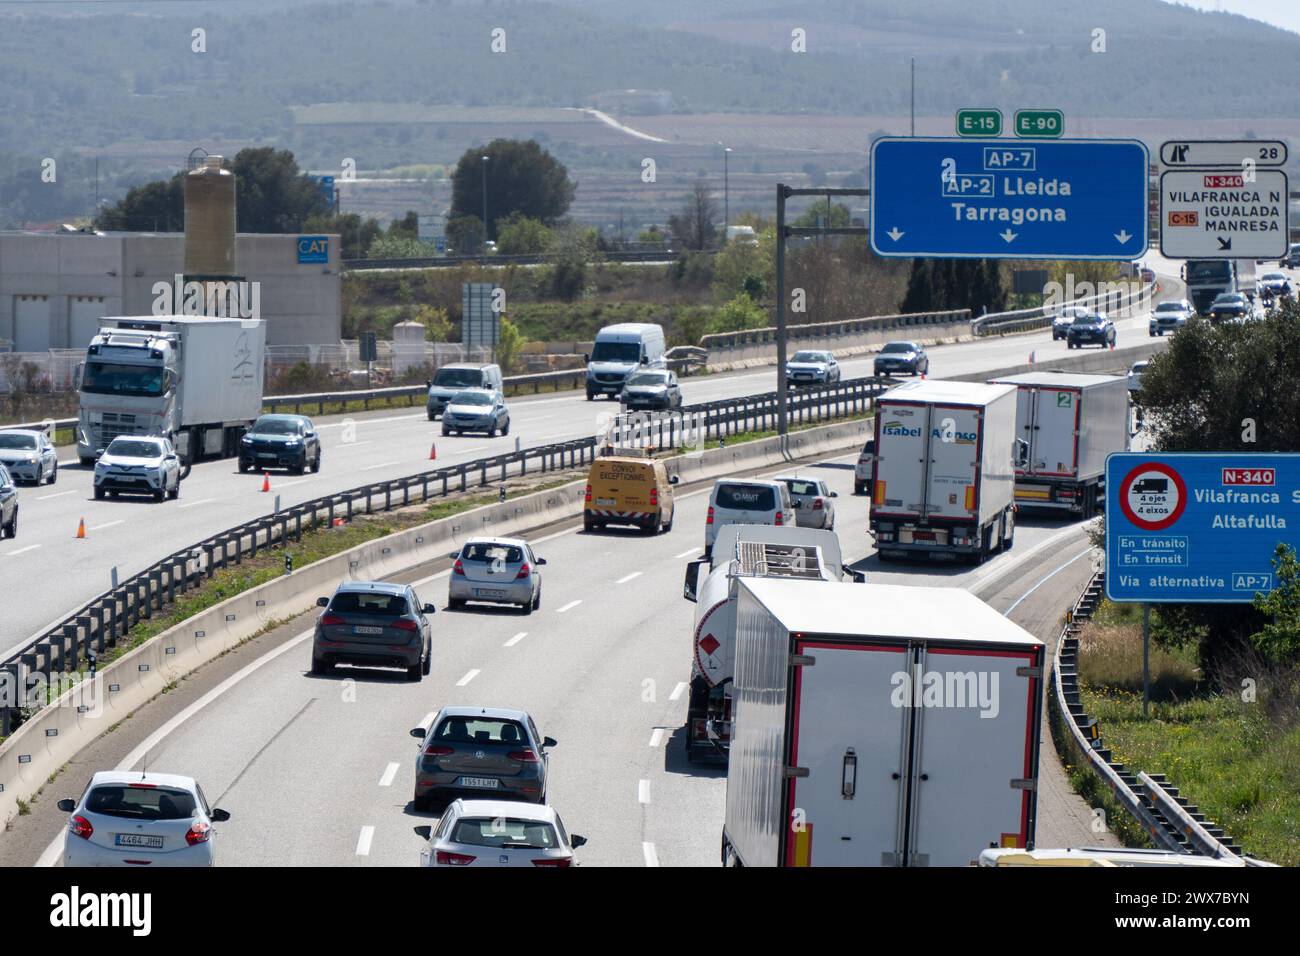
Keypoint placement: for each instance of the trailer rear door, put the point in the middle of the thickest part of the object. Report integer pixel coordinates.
(954, 461)
(1053, 451)
(849, 735)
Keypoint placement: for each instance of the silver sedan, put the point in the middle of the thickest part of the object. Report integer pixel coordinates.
(496, 570)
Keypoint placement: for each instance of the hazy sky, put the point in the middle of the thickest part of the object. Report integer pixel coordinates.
(1280, 13)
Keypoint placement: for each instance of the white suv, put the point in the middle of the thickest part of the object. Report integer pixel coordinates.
(140, 464)
(749, 501)
(862, 470)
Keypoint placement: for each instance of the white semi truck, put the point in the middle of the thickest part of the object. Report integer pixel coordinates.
(1070, 422)
(195, 380)
(801, 554)
(879, 725)
(943, 475)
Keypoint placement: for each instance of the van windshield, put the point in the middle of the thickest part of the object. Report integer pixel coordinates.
(458, 377)
(616, 352)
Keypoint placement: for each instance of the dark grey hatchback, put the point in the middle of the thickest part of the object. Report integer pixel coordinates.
(376, 624)
(493, 753)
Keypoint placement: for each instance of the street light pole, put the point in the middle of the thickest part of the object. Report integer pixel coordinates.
(485, 222)
(726, 188)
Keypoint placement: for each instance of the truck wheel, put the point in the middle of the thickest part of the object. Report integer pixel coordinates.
(859, 487)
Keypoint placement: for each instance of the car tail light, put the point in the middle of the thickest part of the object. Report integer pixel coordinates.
(709, 519)
(330, 620)
(588, 498)
(554, 861)
(142, 786)
(458, 568)
(780, 519)
(524, 571)
(406, 624)
(198, 833)
(817, 504)
(654, 496)
(454, 859)
(80, 826)
(523, 756)
(438, 750)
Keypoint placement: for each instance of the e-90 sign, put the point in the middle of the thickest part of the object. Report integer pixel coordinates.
(1040, 123)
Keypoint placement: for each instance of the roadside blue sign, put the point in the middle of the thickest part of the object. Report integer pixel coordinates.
(1192, 527)
(1009, 199)
(326, 184)
(313, 249)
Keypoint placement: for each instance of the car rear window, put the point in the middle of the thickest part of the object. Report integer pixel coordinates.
(802, 487)
(745, 497)
(511, 554)
(141, 803)
(481, 730)
(362, 602)
(505, 832)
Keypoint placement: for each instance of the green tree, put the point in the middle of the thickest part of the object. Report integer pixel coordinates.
(742, 267)
(1279, 640)
(356, 234)
(399, 247)
(920, 288)
(408, 226)
(740, 313)
(465, 234)
(809, 218)
(154, 207)
(510, 342)
(694, 227)
(521, 178)
(521, 236)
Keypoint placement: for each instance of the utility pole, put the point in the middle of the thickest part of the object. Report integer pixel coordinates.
(913, 96)
(485, 222)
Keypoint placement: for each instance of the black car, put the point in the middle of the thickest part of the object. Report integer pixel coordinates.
(898, 357)
(1229, 306)
(280, 441)
(8, 505)
(1090, 329)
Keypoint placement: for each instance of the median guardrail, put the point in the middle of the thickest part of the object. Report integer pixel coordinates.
(874, 323)
(446, 262)
(1169, 820)
(1025, 320)
(105, 620)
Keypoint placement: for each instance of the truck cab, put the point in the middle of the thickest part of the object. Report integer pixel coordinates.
(128, 387)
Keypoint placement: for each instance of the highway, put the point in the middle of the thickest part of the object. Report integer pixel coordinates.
(131, 533)
(319, 770)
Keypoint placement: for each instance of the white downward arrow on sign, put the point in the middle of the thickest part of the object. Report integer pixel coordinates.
(1008, 235)
(1123, 236)
(895, 234)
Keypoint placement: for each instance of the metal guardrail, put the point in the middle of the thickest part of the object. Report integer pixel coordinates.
(444, 262)
(102, 622)
(1001, 323)
(872, 323)
(1167, 818)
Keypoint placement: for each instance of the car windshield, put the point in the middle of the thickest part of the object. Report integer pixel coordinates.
(1170, 307)
(458, 377)
(616, 352)
(276, 426)
(505, 832)
(746, 497)
(133, 448)
(896, 347)
(800, 487)
(12, 440)
(471, 398)
(110, 378)
(511, 554)
(809, 357)
(368, 602)
(1087, 320)
(1274, 277)
(1232, 299)
(141, 802)
(481, 730)
(649, 378)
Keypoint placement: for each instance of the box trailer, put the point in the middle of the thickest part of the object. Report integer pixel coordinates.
(1071, 422)
(879, 725)
(943, 475)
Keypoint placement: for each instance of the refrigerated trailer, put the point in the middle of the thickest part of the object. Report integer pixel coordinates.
(879, 725)
(944, 470)
(1070, 422)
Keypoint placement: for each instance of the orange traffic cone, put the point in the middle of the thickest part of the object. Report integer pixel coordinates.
(266, 482)
(338, 522)
(81, 528)
(433, 452)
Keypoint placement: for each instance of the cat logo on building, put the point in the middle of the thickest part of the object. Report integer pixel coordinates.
(313, 249)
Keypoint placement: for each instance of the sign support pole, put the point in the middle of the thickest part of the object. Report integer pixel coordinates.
(1146, 658)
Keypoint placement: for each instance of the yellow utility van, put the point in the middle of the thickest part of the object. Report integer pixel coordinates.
(627, 489)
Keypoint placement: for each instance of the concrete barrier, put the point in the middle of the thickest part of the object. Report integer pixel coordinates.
(58, 731)
(855, 343)
(1092, 361)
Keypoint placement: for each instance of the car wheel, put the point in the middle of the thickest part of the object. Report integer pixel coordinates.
(113, 495)
(99, 494)
(587, 523)
(297, 468)
(175, 492)
(590, 395)
(420, 804)
(427, 668)
(11, 529)
(413, 673)
(243, 466)
(492, 432)
(159, 495)
(506, 428)
(537, 600)
(445, 431)
(315, 465)
(319, 666)
(454, 604)
(432, 416)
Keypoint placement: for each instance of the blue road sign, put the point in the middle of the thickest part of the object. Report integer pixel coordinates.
(313, 249)
(1009, 199)
(1190, 527)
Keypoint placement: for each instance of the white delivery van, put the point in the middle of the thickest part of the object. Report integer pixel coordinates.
(620, 350)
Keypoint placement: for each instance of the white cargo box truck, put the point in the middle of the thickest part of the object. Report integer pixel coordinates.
(943, 476)
(1071, 422)
(879, 725)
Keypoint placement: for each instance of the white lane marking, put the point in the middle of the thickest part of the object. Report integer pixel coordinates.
(55, 849)
(201, 501)
(58, 494)
(1084, 553)
(289, 484)
(651, 857)
(468, 677)
(628, 577)
(389, 773)
(30, 547)
(382, 464)
(516, 639)
(677, 691)
(363, 841)
(568, 607)
(643, 791)
(656, 736)
(101, 527)
(687, 553)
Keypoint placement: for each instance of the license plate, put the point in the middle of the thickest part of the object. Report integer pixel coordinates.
(488, 593)
(366, 629)
(266, 454)
(138, 839)
(484, 782)
(607, 502)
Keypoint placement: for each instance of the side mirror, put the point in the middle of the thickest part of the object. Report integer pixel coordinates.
(428, 383)
(673, 479)
(586, 358)
(418, 732)
(548, 742)
(871, 446)
(540, 562)
(645, 360)
(67, 806)
(311, 434)
(834, 494)
(454, 555)
(691, 586)
(859, 577)
(576, 841)
(220, 816)
(429, 609)
(425, 832)
(322, 602)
